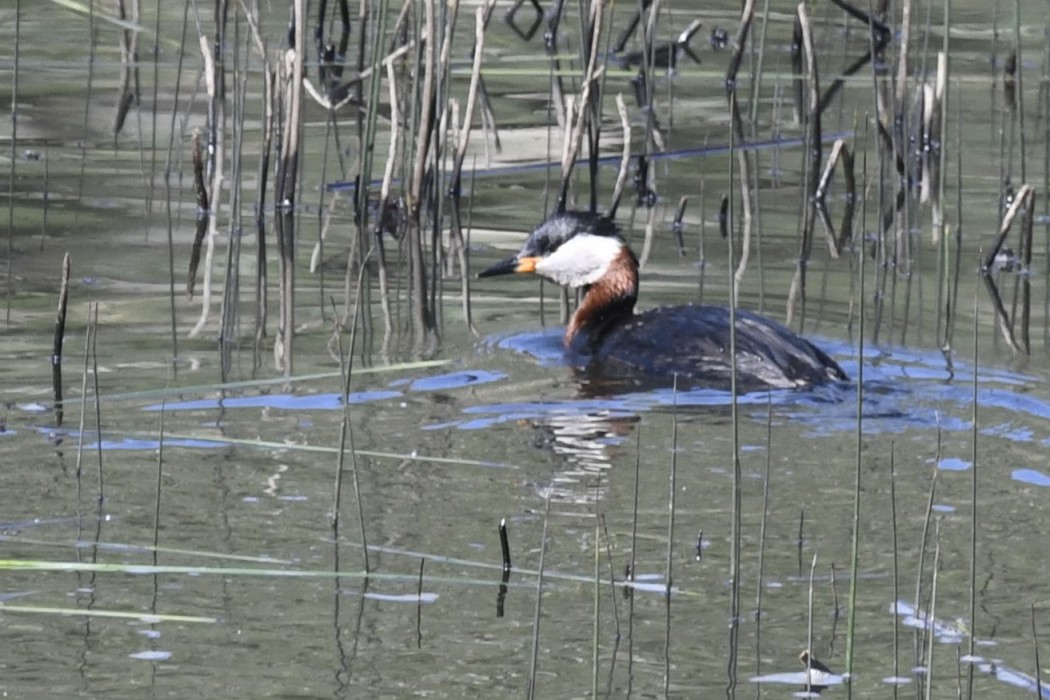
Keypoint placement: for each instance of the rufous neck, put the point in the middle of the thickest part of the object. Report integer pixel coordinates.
(609, 299)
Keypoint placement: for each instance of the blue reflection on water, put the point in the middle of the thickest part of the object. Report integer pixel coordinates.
(451, 380)
(1030, 476)
(291, 402)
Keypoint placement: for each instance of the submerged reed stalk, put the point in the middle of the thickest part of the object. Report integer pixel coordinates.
(59, 337)
(128, 94)
(203, 214)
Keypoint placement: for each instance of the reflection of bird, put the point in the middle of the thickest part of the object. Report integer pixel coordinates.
(577, 249)
(818, 674)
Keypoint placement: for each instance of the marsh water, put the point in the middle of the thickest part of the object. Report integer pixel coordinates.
(174, 536)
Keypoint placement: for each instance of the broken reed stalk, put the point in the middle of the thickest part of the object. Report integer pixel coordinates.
(285, 183)
(625, 158)
(836, 242)
(215, 81)
(1023, 204)
(813, 148)
(1024, 199)
(56, 345)
(747, 15)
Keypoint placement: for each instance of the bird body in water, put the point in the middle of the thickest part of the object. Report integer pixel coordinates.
(606, 337)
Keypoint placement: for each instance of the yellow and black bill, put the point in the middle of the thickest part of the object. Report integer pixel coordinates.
(511, 265)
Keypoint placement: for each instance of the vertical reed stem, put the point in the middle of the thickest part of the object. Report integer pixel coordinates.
(10, 290)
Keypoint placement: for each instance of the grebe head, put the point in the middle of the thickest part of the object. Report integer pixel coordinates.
(572, 249)
(581, 249)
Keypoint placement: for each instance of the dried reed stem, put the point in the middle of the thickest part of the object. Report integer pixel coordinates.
(285, 188)
(747, 15)
(797, 291)
(625, 158)
(214, 78)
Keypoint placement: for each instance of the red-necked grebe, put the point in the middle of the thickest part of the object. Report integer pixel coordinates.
(577, 249)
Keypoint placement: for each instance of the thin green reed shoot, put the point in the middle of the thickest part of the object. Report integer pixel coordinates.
(670, 535)
(973, 505)
(531, 692)
(859, 434)
(346, 429)
(734, 558)
(896, 579)
(931, 637)
(809, 626)
(596, 617)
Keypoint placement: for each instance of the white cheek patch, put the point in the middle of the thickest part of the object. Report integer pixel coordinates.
(581, 260)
